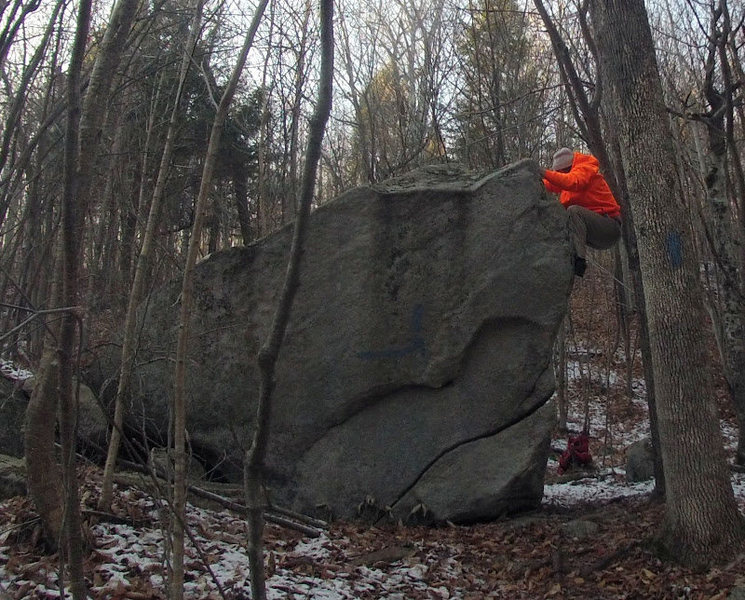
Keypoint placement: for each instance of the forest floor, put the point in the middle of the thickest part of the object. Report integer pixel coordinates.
(592, 537)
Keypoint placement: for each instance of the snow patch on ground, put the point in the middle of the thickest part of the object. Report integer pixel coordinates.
(593, 491)
(10, 371)
(127, 551)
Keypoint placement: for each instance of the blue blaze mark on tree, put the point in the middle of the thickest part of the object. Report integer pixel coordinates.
(417, 345)
(674, 246)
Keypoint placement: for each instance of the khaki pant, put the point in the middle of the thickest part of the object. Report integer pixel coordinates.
(588, 228)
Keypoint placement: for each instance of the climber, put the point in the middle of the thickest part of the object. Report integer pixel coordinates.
(594, 214)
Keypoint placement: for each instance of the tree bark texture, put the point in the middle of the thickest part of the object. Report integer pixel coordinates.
(80, 151)
(702, 523)
(72, 225)
(42, 471)
(269, 352)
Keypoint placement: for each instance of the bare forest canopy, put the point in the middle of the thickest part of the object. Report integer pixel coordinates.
(416, 82)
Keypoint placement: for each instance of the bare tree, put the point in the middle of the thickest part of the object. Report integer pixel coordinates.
(504, 87)
(702, 523)
(187, 300)
(269, 352)
(262, 187)
(70, 259)
(81, 142)
(725, 238)
(12, 121)
(143, 264)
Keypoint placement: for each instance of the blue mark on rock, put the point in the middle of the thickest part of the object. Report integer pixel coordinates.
(674, 246)
(417, 345)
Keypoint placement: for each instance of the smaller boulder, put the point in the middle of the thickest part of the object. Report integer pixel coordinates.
(162, 462)
(13, 401)
(737, 593)
(580, 529)
(14, 397)
(12, 477)
(640, 461)
(92, 422)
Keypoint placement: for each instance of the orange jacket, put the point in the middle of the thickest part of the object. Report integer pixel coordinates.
(583, 185)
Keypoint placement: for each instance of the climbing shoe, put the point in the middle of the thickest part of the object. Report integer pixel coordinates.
(580, 264)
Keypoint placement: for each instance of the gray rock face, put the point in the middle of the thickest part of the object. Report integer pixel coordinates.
(14, 397)
(12, 477)
(640, 461)
(491, 476)
(579, 529)
(737, 593)
(416, 366)
(13, 401)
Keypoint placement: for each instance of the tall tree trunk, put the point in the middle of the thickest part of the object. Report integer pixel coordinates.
(139, 209)
(267, 358)
(187, 301)
(702, 523)
(632, 249)
(240, 191)
(736, 159)
(290, 200)
(81, 143)
(725, 250)
(43, 474)
(263, 209)
(98, 268)
(72, 234)
(143, 264)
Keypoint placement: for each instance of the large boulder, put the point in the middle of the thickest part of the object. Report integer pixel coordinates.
(416, 368)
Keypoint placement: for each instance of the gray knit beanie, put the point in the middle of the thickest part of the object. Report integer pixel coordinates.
(563, 158)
